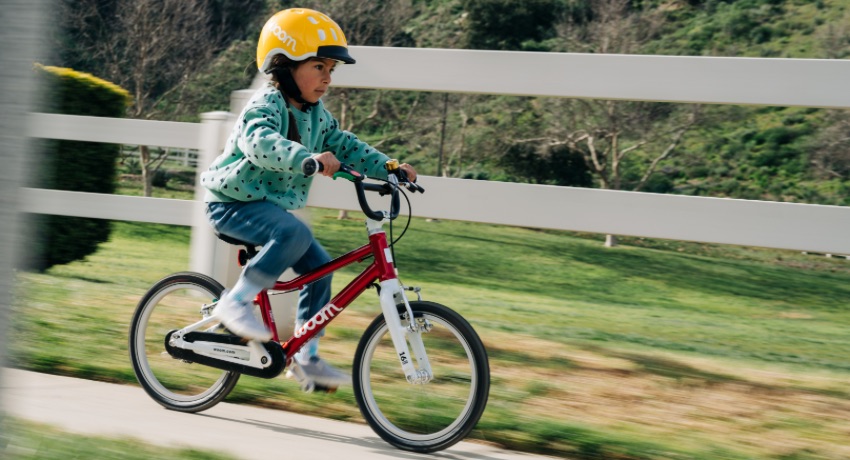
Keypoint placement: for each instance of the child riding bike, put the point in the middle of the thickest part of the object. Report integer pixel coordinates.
(255, 183)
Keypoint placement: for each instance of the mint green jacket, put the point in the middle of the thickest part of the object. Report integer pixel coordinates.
(260, 164)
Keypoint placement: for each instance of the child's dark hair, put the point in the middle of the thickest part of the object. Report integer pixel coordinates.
(281, 73)
(280, 63)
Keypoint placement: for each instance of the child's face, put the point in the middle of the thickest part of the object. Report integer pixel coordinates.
(313, 78)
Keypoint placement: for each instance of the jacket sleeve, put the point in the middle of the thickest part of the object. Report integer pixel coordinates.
(261, 141)
(352, 151)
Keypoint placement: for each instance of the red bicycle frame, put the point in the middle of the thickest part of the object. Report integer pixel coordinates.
(380, 269)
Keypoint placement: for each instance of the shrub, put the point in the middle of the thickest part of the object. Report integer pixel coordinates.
(540, 163)
(160, 178)
(75, 166)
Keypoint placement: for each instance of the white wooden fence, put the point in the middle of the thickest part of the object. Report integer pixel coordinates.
(180, 156)
(782, 82)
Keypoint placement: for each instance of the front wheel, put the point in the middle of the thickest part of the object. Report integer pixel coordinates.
(423, 417)
(172, 304)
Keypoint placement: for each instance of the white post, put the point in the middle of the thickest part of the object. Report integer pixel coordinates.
(208, 255)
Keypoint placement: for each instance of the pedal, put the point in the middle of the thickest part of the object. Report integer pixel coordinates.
(307, 384)
(296, 373)
(324, 389)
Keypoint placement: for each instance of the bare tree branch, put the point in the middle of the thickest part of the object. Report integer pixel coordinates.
(677, 139)
(149, 47)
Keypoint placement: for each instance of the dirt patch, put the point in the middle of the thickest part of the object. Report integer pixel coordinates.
(764, 413)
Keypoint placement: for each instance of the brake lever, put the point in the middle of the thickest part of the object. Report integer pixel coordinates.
(412, 187)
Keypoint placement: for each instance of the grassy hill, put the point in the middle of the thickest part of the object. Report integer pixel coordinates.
(771, 153)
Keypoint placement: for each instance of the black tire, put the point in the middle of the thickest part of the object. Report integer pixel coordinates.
(423, 417)
(173, 303)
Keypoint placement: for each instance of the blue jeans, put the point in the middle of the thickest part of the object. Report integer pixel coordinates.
(286, 243)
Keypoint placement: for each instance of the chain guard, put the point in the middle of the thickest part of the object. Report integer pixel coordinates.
(274, 349)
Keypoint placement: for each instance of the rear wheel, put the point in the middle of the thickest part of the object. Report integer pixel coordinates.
(174, 303)
(423, 417)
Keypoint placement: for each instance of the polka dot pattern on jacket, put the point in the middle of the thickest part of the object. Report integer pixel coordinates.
(260, 164)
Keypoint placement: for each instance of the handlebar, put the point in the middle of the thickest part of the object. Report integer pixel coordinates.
(311, 166)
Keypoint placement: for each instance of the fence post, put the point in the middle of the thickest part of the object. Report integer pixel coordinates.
(207, 254)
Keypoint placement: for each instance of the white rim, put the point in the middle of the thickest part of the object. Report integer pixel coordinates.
(374, 408)
(142, 358)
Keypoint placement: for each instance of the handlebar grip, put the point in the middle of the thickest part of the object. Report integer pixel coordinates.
(310, 166)
(414, 187)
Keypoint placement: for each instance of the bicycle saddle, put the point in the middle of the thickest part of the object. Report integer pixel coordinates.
(231, 240)
(244, 254)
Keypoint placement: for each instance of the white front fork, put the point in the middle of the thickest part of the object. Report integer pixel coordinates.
(401, 335)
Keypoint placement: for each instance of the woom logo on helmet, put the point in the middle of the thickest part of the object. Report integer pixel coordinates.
(284, 38)
(325, 314)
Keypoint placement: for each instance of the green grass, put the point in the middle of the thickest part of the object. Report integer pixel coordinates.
(651, 350)
(30, 441)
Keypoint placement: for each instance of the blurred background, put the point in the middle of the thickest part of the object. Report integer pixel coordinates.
(600, 346)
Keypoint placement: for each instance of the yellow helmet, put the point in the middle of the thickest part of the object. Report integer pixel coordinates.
(299, 34)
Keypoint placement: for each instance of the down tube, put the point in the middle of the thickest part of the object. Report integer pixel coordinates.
(331, 310)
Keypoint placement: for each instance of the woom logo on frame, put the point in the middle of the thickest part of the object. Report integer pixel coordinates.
(325, 314)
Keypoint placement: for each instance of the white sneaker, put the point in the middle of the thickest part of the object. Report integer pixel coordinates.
(318, 372)
(238, 317)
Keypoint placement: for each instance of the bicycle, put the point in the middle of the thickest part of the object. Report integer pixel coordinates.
(417, 401)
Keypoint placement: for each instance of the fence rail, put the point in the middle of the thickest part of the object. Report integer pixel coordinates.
(179, 156)
(816, 83)
(115, 130)
(113, 207)
(712, 80)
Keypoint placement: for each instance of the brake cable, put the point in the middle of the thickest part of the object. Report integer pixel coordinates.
(393, 240)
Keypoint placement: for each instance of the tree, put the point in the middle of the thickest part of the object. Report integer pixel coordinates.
(623, 142)
(608, 134)
(150, 47)
(366, 23)
(523, 25)
(831, 147)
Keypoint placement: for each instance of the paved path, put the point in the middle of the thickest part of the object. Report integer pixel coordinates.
(89, 407)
